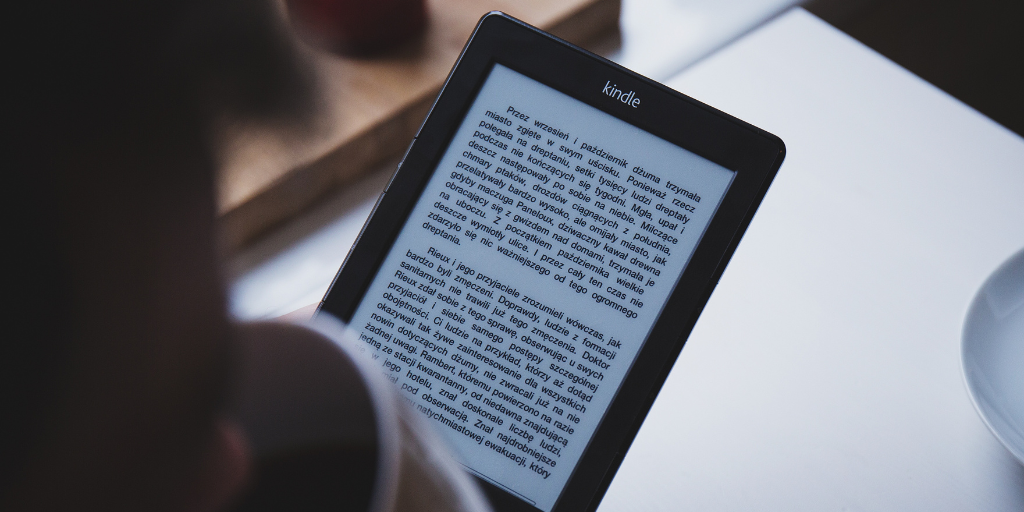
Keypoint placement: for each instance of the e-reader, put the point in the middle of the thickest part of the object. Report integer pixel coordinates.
(532, 270)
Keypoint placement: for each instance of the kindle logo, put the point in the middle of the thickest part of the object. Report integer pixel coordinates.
(613, 90)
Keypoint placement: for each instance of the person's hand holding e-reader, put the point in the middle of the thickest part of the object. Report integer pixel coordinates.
(538, 260)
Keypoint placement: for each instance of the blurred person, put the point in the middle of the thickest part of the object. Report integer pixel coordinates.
(118, 355)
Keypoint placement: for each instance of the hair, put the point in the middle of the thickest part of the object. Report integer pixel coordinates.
(138, 85)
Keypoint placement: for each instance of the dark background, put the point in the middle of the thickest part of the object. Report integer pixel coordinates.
(972, 49)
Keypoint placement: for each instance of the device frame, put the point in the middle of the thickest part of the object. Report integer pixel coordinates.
(754, 154)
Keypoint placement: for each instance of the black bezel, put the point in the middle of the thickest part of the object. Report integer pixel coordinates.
(754, 154)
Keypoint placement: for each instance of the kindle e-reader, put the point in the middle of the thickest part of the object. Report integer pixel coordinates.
(536, 263)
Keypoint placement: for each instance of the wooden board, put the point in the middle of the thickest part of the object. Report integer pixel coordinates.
(371, 110)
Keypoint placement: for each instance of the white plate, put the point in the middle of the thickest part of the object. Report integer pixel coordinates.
(993, 353)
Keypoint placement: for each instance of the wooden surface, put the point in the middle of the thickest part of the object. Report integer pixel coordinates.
(371, 109)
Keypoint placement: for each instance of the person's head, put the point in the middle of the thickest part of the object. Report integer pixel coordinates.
(115, 359)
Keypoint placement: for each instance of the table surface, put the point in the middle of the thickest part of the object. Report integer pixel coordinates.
(824, 372)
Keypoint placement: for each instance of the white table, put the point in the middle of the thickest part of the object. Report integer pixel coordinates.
(824, 373)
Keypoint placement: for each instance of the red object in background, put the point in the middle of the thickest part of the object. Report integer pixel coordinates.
(358, 26)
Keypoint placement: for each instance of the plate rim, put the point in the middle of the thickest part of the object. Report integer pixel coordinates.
(977, 298)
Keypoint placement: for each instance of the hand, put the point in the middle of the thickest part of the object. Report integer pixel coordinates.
(303, 314)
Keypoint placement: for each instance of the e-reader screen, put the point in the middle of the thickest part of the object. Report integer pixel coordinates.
(529, 274)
